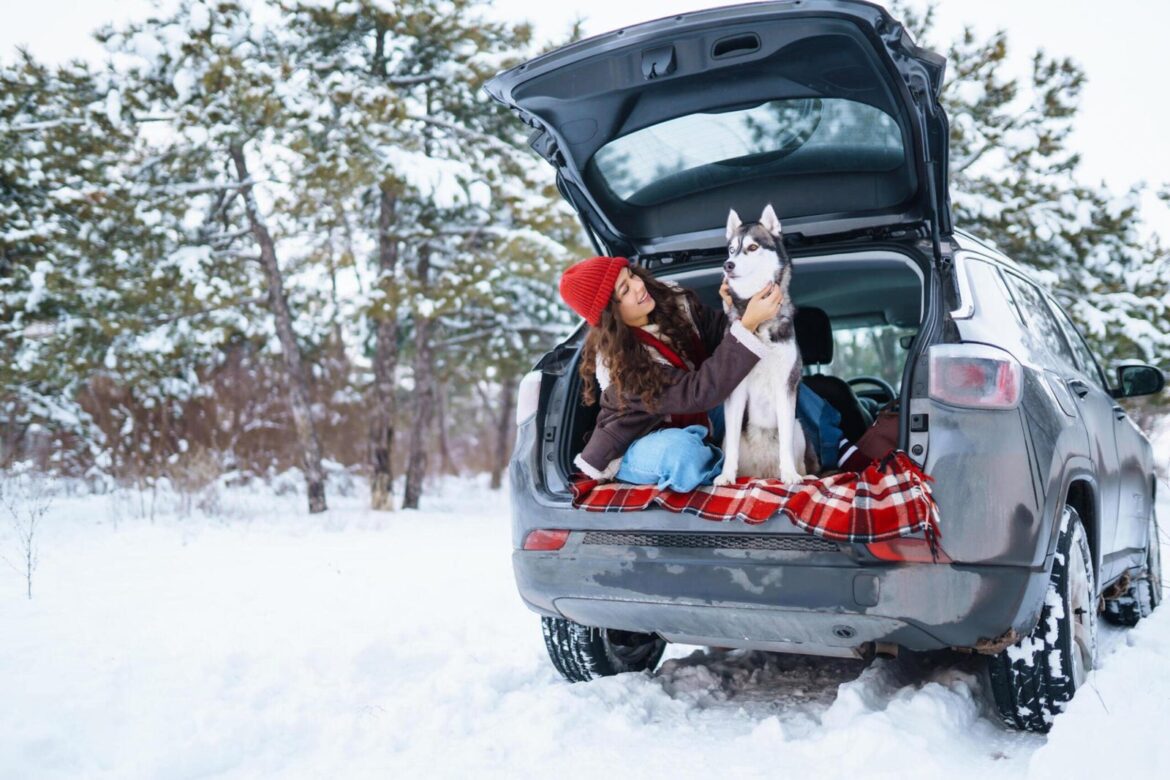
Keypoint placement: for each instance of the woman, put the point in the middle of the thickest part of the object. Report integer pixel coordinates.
(662, 362)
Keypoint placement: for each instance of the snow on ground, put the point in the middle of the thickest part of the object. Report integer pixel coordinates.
(262, 642)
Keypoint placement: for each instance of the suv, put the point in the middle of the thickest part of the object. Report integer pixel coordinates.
(828, 110)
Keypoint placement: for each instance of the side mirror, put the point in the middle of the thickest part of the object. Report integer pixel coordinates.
(1138, 379)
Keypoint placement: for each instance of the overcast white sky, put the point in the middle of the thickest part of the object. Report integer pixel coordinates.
(1123, 46)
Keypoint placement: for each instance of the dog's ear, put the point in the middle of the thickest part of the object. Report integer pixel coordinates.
(770, 221)
(733, 223)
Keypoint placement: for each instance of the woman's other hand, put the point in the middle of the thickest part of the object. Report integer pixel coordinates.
(763, 306)
(725, 294)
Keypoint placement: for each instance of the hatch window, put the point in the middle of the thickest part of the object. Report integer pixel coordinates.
(798, 136)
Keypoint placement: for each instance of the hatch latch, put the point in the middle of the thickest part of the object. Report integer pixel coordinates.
(658, 62)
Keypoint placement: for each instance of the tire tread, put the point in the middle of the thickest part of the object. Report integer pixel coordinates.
(580, 653)
(1026, 691)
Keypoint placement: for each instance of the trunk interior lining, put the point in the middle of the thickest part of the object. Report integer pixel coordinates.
(855, 289)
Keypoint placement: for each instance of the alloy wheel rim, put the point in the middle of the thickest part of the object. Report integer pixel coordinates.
(1154, 563)
(1081, 606)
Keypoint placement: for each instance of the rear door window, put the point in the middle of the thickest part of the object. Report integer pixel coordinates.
(1043, 333)
(1089, 366)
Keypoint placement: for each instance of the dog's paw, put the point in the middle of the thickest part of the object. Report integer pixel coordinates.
(790, 476)
(725, 479)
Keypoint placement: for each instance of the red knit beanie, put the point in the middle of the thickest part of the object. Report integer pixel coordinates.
(587, 286)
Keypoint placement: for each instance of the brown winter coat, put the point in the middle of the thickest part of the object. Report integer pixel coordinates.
(688, 392)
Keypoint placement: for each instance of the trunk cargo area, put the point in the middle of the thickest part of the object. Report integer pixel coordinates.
(874, 303)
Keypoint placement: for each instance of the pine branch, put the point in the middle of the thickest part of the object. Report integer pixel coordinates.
(202, 312)
(49, 124)
(225, 239)
(422, 235)
(234, 254)
(1014, 123)
(194, 188)
(492, 141)
(542, 330)
(409, 81)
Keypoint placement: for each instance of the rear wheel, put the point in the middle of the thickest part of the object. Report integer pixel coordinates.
(582, 653)
(1144, 593)
(1153, 578)
(1033, 680)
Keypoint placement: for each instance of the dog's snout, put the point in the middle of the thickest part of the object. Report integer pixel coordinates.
(729, 266)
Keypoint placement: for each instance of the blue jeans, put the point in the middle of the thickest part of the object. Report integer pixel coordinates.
(678, 458)
(674, 458)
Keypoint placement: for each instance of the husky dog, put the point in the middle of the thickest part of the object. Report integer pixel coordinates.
(763, 437)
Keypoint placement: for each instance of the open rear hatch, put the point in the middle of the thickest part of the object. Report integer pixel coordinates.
(825, 108)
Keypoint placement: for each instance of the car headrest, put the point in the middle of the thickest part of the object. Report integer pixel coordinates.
(814, 336)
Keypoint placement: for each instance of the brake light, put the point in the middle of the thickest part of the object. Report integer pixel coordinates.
(975, 375)
(908, 550)
(527, 396)
(546, 539)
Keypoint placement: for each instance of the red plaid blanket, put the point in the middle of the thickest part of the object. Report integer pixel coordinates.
(888, 499)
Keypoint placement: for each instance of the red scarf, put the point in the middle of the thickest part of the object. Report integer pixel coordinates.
(698, 354)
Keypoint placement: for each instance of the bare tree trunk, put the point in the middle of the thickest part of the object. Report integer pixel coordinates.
(385, 358)
(504, 430)
(298, 389)
(378, 65)
(424, 367)
(424, 395)
(335, 319)
(441, 402)
(12, 436)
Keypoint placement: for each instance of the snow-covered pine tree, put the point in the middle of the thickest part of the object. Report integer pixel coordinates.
(1015, 181)
(93, 294)
(40, 195)
(458, 237)
(349, 163)
(503, 307)
(54, 149)
(218, 74)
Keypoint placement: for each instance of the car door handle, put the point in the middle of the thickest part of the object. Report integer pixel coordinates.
(1119, 413)
(1078, 387)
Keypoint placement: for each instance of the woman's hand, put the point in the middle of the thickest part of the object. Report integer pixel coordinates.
(763, 306)
(725, 294)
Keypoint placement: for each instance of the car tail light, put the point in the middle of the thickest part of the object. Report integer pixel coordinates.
(527, 396)
(546, 539)
(975, 375)
(908, 550)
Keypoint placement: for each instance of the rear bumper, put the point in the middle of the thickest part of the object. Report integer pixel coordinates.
(796, 602)
(824, 602)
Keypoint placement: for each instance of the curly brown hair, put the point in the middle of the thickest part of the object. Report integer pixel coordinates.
(631, 367)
